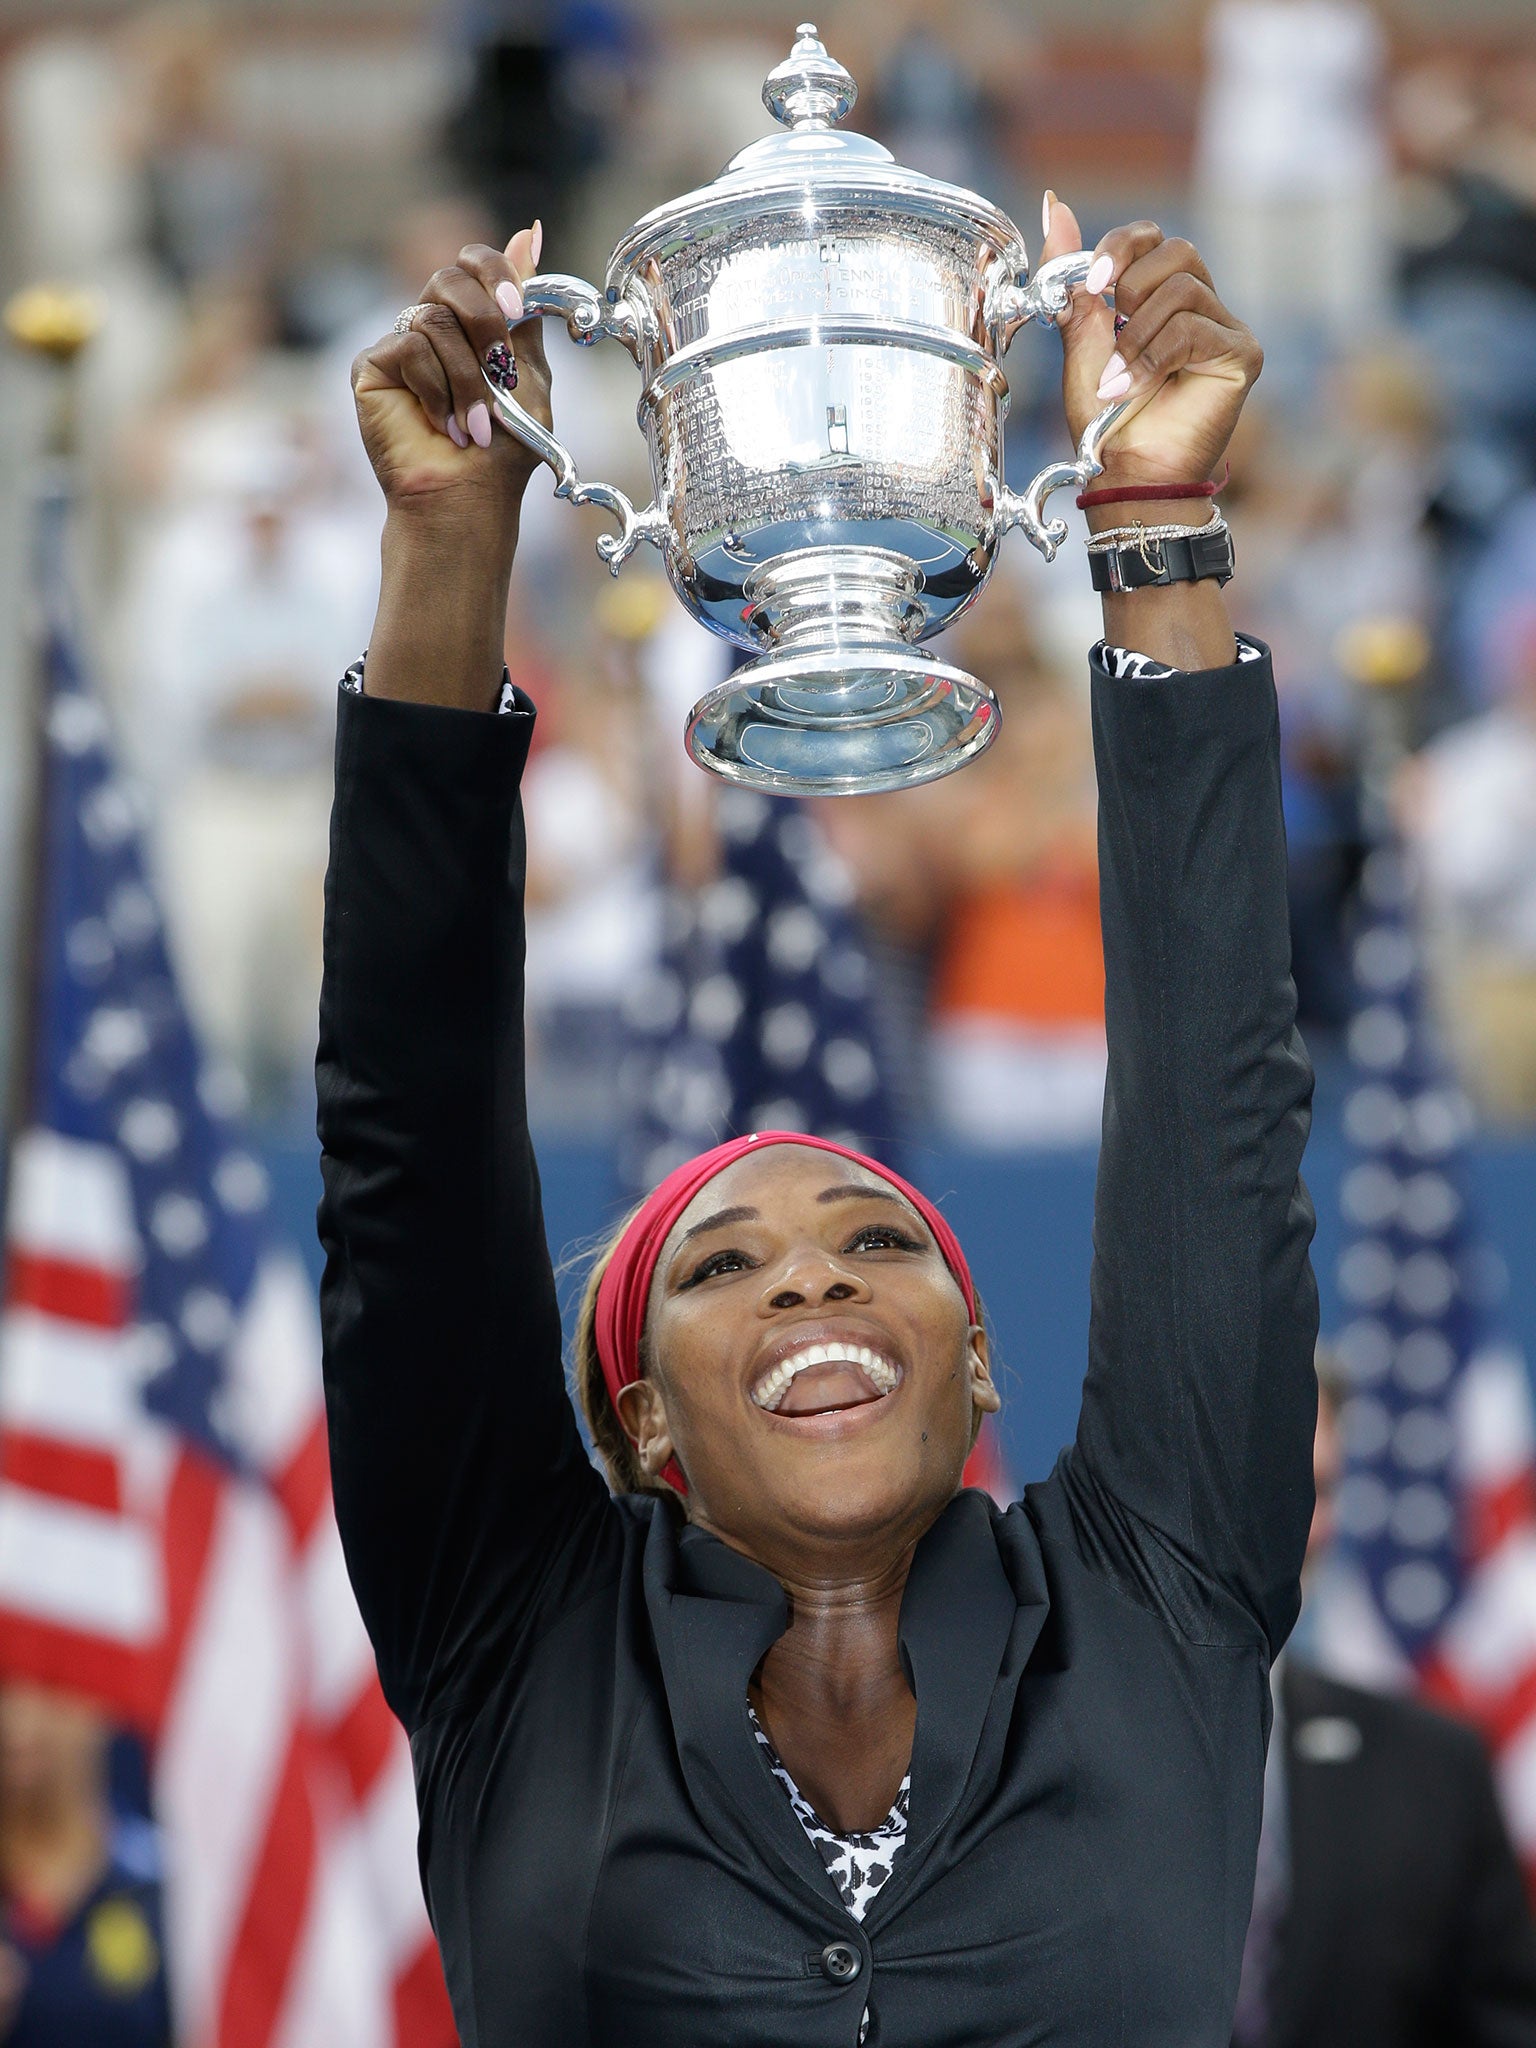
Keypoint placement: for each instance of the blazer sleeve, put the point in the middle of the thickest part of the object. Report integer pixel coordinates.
(1191, 1474)
(468, 1509)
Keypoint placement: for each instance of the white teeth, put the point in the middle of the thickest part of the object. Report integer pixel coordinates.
(774, 1385)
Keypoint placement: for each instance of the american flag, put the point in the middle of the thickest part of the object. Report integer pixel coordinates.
(758, 1014)
(166, 1536)
(761, 1015)
(1437, 1506)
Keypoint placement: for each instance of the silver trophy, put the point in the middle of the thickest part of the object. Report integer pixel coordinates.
(819, 334)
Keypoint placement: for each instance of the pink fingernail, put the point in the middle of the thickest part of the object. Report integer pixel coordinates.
(1114, 368)
(536, 242)
(510, 300)
(456, 433)
(1098, 279)
(1045, 211)
(478, 420)
(1115, 387)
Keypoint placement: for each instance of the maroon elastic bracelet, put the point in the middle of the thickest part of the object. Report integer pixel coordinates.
(1143, 494)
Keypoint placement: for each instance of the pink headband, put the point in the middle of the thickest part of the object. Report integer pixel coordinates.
(626, 1285)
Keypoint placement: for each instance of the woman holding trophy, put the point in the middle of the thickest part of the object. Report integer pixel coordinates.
(780, 1736)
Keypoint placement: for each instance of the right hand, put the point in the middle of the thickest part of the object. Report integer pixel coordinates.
(421, 398)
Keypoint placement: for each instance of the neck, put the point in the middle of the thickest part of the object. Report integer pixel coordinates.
(834, 1695)
(839, 1661)
(52, 1847)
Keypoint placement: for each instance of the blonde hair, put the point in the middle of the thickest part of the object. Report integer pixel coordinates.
(609, 1437)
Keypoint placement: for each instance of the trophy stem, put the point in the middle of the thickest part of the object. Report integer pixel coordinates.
(842, 702)
(835, 597)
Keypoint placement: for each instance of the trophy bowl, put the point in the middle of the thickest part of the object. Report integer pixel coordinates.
(819, 335)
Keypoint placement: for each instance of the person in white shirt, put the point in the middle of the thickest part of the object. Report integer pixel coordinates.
(1469, 801)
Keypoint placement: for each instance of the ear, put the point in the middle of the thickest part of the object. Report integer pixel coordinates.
(642, 1410)
(984, 1394)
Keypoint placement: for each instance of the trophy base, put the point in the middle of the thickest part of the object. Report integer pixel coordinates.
(843, 704)
(845, 722)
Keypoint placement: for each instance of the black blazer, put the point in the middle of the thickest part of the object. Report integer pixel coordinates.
(1408, 1924)
(606, 1857)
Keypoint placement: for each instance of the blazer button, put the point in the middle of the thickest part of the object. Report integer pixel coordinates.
(840, 1962)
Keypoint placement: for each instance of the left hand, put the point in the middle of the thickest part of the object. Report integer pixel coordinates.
(1190, 363)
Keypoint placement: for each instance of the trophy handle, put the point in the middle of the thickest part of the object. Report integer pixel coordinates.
(1026, 509)
(1046, 296)
(588, 317)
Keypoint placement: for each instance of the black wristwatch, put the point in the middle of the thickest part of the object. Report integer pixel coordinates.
(1151, 564)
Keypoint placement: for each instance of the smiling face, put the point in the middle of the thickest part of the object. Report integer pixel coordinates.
(811, 1362)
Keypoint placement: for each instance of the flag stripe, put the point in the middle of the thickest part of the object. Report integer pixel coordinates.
(304, 1484)
(422, 2011)
(66, 1380)
(365, 1740)
(90, 1572)
(64, 1287)
(68, 1472)
(278, 1899)
(46, 1653)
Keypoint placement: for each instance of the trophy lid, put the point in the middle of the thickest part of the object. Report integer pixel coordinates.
(809, 160)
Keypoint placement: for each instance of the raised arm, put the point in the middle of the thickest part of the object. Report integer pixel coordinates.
(1192, 1467)
(466, 1503)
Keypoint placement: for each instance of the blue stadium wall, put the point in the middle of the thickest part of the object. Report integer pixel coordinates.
(1026, 1223)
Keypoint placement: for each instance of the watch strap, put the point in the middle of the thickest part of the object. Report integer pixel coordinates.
(1153, 564)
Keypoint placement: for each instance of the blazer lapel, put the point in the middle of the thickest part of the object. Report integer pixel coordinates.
(967, 1621)
(714, 1615)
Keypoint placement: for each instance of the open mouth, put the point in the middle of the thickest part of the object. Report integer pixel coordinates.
(824, 1378)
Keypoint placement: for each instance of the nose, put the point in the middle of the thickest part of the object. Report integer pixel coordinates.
(811, 1276)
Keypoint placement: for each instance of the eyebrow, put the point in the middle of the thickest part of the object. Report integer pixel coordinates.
(846, 1191)
(740, 1214)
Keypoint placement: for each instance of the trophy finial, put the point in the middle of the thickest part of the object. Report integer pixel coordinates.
(809, 89)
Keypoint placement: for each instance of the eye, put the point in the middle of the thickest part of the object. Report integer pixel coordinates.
(725, 1261)
(883, 1237)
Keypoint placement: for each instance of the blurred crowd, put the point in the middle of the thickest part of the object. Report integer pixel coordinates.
(253, 216)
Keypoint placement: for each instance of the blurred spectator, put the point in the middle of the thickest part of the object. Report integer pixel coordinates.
(935, 105)
(81, 1963)
(1470, 805)
(993, 875)
(1389, 1908)
(589, 795)
(1290, 159)
(242, 612)
(207, 191)
(1467, 133)
(549, 87)
(1338, 560)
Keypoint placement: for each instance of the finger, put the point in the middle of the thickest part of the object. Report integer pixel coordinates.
(421, 372)
(407, 362)
(1063, 236)
(523, 253)
(1180, 293)
(1087, 327)
(469, 327)
(1136, 283)
(1127, 245)
(502, 272)
(1195, 343)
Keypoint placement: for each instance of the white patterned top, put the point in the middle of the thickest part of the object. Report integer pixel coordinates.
(859, 1863)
